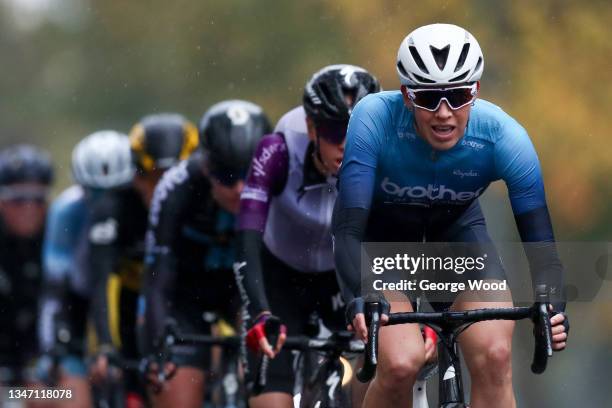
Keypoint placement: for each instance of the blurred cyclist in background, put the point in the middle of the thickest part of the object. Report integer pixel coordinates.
(115, 238)
(26, 175)
(285, 264)
(190, 243)
(101, 161)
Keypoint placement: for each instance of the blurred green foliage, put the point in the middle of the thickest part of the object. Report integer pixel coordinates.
(74, 66)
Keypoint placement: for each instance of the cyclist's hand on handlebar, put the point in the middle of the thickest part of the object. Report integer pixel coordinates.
(560, 329)
(356, 318)
(153, 377)
(101, 368)
(257, 341)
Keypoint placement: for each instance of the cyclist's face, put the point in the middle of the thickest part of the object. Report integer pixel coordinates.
(228, 197)
(443, 128)
(331, 153)
(23, 215)
(145, 182)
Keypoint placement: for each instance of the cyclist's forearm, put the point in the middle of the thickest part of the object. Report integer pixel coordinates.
(158, 286)
(249, 274)
(348, 226)
(536, 232)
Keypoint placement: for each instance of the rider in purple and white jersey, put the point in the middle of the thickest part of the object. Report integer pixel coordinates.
(285, 262)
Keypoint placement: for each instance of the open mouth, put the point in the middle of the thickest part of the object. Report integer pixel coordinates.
(443, 131)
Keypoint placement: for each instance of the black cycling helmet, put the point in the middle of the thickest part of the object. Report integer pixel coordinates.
(332, 92)
(25, 164)
(161, 140)
(229, 134)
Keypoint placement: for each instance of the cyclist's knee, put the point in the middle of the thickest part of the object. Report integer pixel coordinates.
(399, 371)
(495, 364)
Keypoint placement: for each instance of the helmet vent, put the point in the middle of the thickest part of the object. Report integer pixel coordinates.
(417, 59)
(401, 68)
(462, 56)
(478, 64)
(423, 80)
(460, 77)
(440, 55)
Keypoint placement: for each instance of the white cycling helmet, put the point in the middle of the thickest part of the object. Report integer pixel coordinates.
(103, 160)
(439, 54)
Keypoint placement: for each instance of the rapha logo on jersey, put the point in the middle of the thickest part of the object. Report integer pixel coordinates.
(430, 191)
(465, 173)
(474, 145)
(104, 232)
(260, 161)
(405, 134)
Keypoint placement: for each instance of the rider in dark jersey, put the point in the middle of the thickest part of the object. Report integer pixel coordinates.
(190, 242)
(116, 234)
(25, 178)
(413, 170)
(101, 161)
(285, 264)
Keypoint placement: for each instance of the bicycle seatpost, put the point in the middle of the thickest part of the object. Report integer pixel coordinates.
(543, 330)
(372, 315)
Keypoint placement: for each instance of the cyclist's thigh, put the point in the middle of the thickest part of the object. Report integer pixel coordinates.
(470, 233)
(482, 339)
(322, 295)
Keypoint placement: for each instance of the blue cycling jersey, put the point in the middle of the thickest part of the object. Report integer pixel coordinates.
(386, 162)
(64, 238)
(393, 186)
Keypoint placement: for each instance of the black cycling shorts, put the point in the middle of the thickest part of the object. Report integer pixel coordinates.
(196, 310)
(465, 225)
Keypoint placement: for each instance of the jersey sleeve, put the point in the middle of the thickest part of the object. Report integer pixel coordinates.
(356, 185)
(518, 165)
(363, 144)
(57, 258)
(267, 177)
(172, 195)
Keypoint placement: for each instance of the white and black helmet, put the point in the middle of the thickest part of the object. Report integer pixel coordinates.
(325, 93)
(103, 160)
(439, 54)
